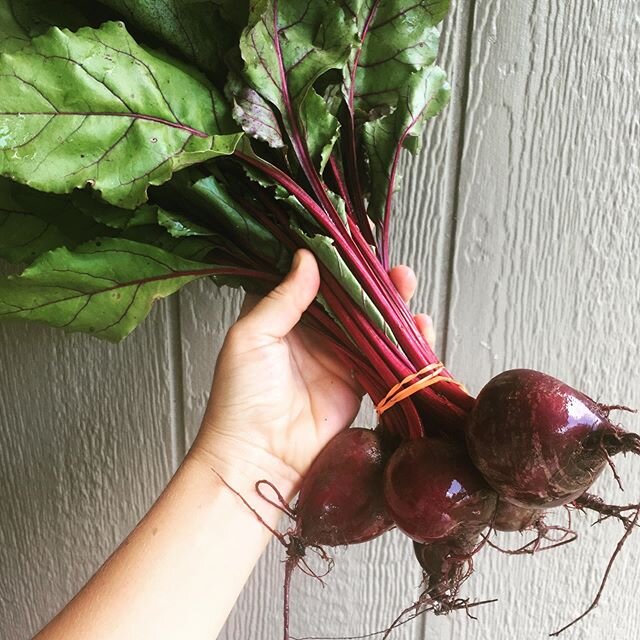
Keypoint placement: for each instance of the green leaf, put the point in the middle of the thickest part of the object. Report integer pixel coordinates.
(398, 38)
(32, 222)
(192, 248)
(180, 226)
(231, 220)
(13, 35)
(319, 128)
(326, 252)
(105, 288)
(111, 216)
(93, 108)
(149, 224)
(312, 38)
(425, 95)
(253, 113)
(24, 236)
(201, 30)
(286, 48)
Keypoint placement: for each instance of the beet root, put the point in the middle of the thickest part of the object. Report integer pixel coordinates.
(538, 442)
(340, 503)
(432, 490)
(341, 499)
(446, 564)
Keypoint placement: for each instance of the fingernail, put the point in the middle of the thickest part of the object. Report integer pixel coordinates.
(297, 259)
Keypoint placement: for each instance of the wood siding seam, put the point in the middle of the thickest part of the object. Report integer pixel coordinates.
(459, 118)
(176, 382)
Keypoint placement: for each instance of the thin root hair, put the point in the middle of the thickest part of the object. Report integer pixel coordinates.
(596, 600)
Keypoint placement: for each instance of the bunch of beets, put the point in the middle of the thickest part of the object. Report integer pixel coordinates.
(144, 145)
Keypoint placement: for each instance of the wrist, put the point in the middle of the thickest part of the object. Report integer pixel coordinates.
(241, 465)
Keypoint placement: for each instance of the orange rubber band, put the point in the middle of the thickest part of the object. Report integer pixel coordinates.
(399, 392)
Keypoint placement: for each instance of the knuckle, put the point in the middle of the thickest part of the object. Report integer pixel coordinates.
(279, 294)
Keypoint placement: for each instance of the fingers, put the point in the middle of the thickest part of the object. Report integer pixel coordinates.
(280, 311)
(426, 328)
(404, 280)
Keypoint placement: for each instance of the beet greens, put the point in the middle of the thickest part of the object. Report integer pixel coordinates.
(287, 135)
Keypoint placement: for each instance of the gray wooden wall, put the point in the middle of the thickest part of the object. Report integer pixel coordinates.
(522, 221)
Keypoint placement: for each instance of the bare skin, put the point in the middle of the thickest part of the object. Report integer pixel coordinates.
(278, 397)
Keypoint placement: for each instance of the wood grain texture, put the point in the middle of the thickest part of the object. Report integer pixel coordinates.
(85, 448)
(546, 271)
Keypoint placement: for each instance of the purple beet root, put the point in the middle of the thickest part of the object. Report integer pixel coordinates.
(432, 490)
(341, 499)
(538, 442)
(446, 564)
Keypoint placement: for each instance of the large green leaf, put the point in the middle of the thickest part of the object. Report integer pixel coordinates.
(398, 38)
(286, 48)
(424, 96)
(201, 30)
(105, 288)
(94, 108)
(32, 223)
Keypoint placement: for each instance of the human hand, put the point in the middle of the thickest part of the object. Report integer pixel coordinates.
(279, 393)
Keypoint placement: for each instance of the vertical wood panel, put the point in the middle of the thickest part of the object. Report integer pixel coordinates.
(546, 267)
(85, 448)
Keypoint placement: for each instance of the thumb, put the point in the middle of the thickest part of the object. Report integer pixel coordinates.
(280, 311)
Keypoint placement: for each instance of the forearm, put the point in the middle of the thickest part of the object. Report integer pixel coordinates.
(178, 574)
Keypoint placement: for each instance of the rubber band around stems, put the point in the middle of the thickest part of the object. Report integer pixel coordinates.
(428, 376)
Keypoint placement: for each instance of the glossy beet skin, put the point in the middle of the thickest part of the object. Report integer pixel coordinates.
(432, 490)
(341, 500)
(538, 442)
